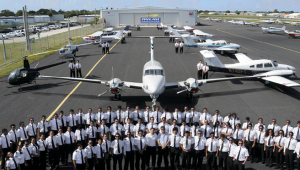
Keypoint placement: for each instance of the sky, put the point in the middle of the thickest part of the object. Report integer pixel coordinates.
(216, 5)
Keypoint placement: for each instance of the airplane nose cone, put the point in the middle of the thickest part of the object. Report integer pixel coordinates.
(155, 86)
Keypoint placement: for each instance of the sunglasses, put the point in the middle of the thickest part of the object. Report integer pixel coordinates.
(230, 140)
(260, 128)
(240, 143)
(140, 133)
(280, 133)
(117, 136)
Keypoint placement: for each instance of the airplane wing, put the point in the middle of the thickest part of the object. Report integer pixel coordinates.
(281, 80)
(133, 85)
(174, 32)
(108, 29)
(188, 41)
(211, 59)
(242, 58)
(226, 49)
(83, 44)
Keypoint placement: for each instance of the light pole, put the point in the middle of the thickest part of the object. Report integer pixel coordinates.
(3, 46)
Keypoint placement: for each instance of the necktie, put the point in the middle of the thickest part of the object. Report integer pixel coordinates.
(130, 144)
(297, 134)
(81, 118)
(269, 141)
(148, 117)
(103, 129)
(174, 141)
(229, 148)
(222, 146)
(184, 116)
(193, 117)
(62, 141)
(118, 146)
(92, 131)
(101, 153)
(81, 157)
(139, 127)
(106, 146)
(249, 136)
(90, 117)
(56, 124)
(176, 116)
(15, 136)
(62, 121)
(110, 117)
(81, 135)
(116, 128)
(217, 131)
(44, 126)
(239, 154)
(234, 123)
(141, 143)
(186, 143)
(227, 130)
(129, 129)
(28, 152)
(259, 137)
(198, 142)
(127, 115)
(36, 148)
(274, 128)
(92, 152)
(205, 116)
(289, 143)
(53, 146)
(286, 132)
(32, 129)
(137, 112)
(195, 131)
(237, 134)
(24, 133)
(71, 138)
(73, 121)
(15, 163)
(6, 141)
(151, 126)
(100, 117)
(183, 131)
(211, 145)
(279, 141)
(205, 131)
(157, 116)
(44, 144)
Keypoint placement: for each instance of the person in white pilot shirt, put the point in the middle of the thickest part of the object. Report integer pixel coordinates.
(186, 116)
(101, 153)
(35, 154)
(117, 150)
(184, 128)
(110, 117)
(195, 116)
(127, 114)
(90, 155)
(79, 158)
(100, 116)
(116, 128)
(31, 129)
(223, 151)
(91, 133)
(217, 117)
(166, 115)
(156, 115)
(103, 129)
(120, 113)
(177, 116)
(80, 117)
(129, 127)
(275, 127)
(11, 162)
(240, 156)
(212, 151)
(206, 129)
(89, 117)
(227, 131)
(19, 155)
(205, 116)
(187, 145)
(147, 115)
(137, 114)
(199, 149)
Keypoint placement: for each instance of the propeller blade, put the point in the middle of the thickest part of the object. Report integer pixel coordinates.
(182, 91)
(295, 75)
(102, 93)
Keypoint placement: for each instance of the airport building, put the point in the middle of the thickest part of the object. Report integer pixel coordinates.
(149, 15)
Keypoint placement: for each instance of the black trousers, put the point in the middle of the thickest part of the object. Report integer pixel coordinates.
(107, 49)
(22, 166)
(181, 49)
(35, 163)
(42, 165)
(100, 164)
(269, 155)
(298, 162)
(78, 72)
(69, 149)
(5, 151)
(80, 166)
(103, 50)
(108, 162)
(151, 152)
(238, 165)
(53, 157)
(117, 160)
(279, 158)
(176, 49)
(223, 160)
(248, 145)
(260, 153)
(198, 159)
(186, 159)
(140, 158)
(212, 161)
(129, 160)
(29, 163)
(13, 147)
(230, 163)
(174, 157)
(205, 75)
(163, 153)
(91, 163)
(61, 154)
(72, 72)
(289, 159)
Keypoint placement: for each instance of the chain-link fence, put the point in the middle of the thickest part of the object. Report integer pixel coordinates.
(53, 42)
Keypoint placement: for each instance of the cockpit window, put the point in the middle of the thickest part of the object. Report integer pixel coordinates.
(268, 65)
(259, 65)
(275, 64)
(154, 72)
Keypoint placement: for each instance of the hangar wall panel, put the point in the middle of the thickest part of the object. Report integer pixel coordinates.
(126, 19)
(171, 18)
(137, 18)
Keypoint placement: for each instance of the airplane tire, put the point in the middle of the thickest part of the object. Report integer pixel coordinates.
(119, 96)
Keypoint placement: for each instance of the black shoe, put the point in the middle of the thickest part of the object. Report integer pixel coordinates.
(263, 162)
(266, 165)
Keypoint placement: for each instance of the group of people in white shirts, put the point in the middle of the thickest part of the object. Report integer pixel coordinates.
(93, 139)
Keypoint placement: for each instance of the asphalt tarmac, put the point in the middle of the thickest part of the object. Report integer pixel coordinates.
(245, 98)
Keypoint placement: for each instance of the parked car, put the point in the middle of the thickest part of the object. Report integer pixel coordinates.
(64, 25)
(57, 26)
(45, 29)
(52, 27)
(5, 31)
(11, 34)
(19, 33)
(4, 36)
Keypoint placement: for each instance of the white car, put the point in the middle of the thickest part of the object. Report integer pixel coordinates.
(11, 34)
(45, 29)
(57, 27)
(19, 33)
(52, 27)
(4, 36)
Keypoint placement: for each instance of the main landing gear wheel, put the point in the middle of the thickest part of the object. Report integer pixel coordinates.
(190, 96)
(117, 96)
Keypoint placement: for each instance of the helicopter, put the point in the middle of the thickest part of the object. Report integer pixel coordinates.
(69, 49)
(26, 74)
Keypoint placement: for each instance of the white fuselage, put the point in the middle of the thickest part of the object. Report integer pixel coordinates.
(272, 29)
(153, 78)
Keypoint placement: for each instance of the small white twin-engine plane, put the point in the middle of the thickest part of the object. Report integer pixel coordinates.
(171, 30)
(219, 45)
(95, 37)
(188, 28)
(273, 29)
(267, 70)
(166, 25)
(251, 23)
(196, 36)
(293, 34)
(271, 21)
(153, 81)
(127, 27)
(295, 23)
(100, 37)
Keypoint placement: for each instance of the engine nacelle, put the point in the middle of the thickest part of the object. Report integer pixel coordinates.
(192, 85)
(114, 85)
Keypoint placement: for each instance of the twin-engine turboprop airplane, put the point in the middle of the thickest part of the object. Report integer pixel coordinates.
(275, 72)
(273, 29)
(153, 81)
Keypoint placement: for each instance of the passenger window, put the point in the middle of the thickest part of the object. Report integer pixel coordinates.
(213, 43)
(259, 66)
(252, 66)
(268, 65)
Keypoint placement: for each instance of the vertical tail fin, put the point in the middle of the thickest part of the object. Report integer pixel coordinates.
(152, 49)
(112, 74)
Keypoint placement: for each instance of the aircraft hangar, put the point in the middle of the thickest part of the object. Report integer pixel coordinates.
(149, 15)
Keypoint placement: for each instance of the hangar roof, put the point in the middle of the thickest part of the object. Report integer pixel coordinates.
(147, 7)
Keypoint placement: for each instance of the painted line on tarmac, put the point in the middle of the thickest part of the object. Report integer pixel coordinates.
(65, 99)
(260, 41)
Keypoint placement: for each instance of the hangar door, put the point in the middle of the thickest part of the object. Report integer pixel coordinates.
(127, 19)
(171, 18)
(138, 16)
